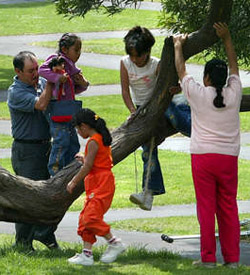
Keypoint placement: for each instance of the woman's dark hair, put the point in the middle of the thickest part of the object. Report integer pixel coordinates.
(140, 39)
(55, 61)
(89, 117)
(216, 69)
(67, 40)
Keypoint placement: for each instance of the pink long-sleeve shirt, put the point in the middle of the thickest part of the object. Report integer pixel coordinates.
(214, 130)
(53, 77)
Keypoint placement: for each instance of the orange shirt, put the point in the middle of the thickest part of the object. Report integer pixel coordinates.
(103, 158)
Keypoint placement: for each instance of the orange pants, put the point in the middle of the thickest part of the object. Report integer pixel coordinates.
(100, 189)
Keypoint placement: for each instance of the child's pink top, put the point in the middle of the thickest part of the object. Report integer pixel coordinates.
(214, 130)
(54, 77)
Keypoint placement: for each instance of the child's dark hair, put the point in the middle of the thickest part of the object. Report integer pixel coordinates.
(55, 61)
(89, 117)
(140, 39)
(67, 40)
(217, 71)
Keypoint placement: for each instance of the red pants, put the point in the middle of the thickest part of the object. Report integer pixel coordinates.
(215, 179)
(99, 188)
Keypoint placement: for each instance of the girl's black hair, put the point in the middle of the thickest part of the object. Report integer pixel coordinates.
(55, 61)
(89, 117)
(140, 39)
(216, 69)
(67, 40)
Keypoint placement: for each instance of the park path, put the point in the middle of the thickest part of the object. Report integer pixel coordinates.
(10, 45)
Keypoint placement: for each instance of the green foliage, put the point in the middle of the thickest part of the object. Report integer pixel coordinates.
(73, 8)
(176, 16)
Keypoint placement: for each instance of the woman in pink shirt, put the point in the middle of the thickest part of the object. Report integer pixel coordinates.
(215, 146)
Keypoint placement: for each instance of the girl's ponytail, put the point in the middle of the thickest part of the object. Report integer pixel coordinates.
(89, 117)
(103, 130)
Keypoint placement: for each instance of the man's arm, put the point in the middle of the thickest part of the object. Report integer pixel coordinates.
(45, 97)
(179, 40)
(223, 33)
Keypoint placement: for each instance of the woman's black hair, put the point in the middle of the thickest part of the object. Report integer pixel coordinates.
(89, 117)
(217, 71)
(67, 40)
(140, 39)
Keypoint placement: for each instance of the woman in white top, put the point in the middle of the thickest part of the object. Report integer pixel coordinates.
(139, 72)
(215, 145)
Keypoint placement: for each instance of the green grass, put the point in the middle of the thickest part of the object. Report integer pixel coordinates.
(135, 261)
(6, 163)
(44, 19)
(178, 182)
(172, 226)
(5, 141)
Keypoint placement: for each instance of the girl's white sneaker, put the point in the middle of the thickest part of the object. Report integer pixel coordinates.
(81, 259)
(112, 252)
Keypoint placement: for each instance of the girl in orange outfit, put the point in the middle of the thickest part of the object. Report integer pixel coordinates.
(99, 187)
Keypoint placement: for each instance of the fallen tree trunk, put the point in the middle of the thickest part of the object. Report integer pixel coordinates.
(24, 200)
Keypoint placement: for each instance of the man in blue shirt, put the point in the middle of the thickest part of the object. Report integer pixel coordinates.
(28, 97)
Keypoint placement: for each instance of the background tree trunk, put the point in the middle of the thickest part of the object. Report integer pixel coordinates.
(24, 200)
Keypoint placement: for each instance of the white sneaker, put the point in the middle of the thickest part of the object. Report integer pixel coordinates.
(112, 252)
(81, 259)
(144, 200)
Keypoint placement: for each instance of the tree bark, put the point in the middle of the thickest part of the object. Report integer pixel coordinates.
(41, 202)
(24, 200)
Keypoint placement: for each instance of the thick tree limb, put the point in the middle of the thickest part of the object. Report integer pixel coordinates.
(25, 200)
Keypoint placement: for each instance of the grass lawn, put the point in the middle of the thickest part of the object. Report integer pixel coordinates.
(135, 260)
(40, 22)
(5, 141)
(172, 226)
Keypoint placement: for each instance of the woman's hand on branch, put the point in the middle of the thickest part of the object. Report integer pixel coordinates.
(180, 39)
(222, 30)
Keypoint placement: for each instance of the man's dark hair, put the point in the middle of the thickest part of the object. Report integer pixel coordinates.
(19, 59)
